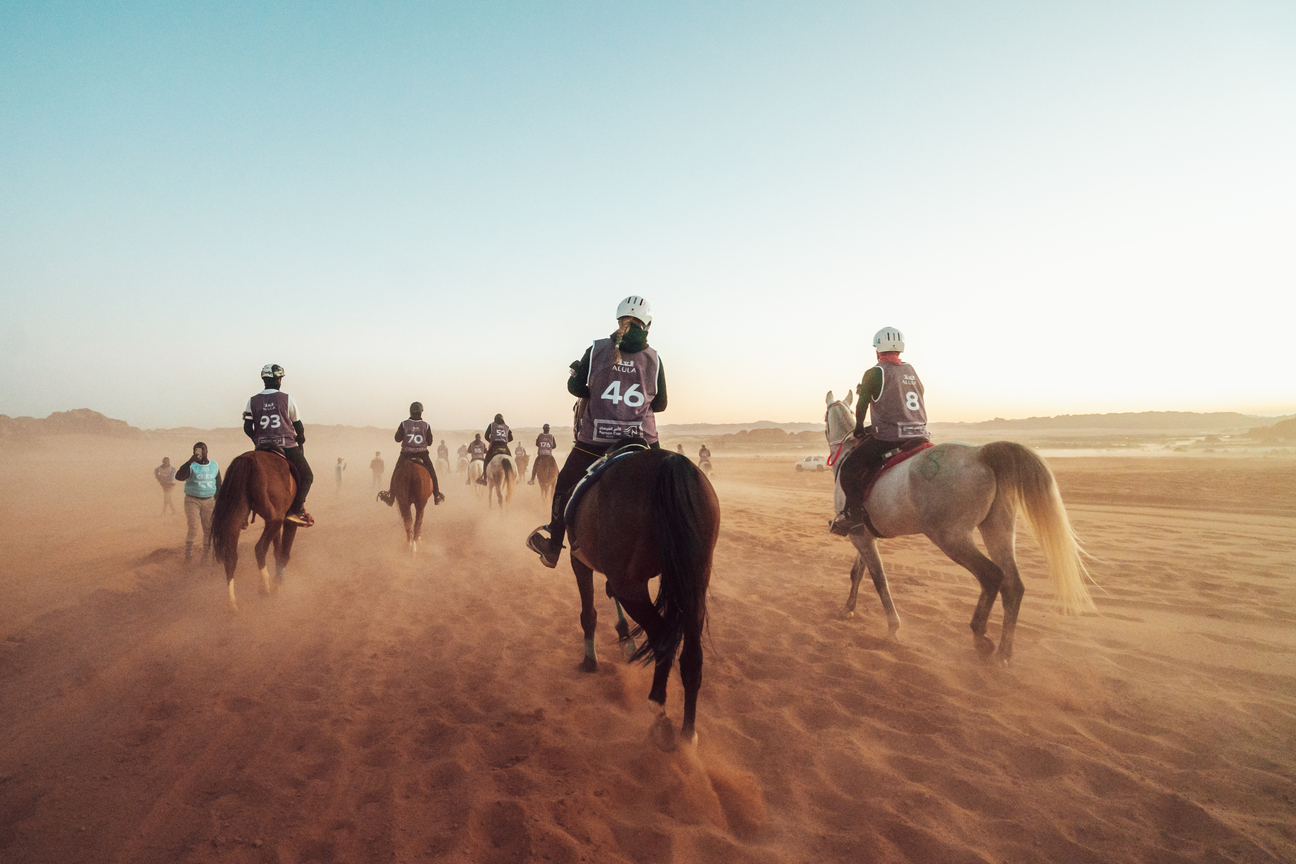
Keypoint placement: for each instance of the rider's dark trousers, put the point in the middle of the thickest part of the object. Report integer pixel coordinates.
(425, 459)
(859, 465)
(305, 477)
(581, 457)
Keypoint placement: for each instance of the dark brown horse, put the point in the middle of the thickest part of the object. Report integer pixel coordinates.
(651, 513)
(261, 483)
(413, 485)
(546, 473)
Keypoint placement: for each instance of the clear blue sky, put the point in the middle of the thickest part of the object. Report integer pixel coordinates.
(1067, 207)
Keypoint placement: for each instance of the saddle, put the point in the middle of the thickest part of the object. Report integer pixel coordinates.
(631, 445)
(278, 451)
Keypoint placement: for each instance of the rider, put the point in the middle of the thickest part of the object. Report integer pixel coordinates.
(899, 416)
(443, 452)
(270, 420)
(498, 434)
(476, 451)
(625, 385)
(414, 436)
(704, 455)
(545, 445)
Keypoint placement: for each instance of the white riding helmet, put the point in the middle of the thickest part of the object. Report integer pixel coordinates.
(637, 307)
(272, 370)
(888, 339)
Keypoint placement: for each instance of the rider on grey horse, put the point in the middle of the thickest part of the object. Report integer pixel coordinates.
(892, 393)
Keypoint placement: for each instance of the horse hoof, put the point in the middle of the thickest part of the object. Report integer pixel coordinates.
(589, 664)
(663, 734)
(628, 648)
(846, 614)
(985, 646)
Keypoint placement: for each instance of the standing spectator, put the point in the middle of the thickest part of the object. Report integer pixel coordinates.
(376, 466)
(338, 469)
(202, 481)
(165, 475)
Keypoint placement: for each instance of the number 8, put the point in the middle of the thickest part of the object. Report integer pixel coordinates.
(911, 401)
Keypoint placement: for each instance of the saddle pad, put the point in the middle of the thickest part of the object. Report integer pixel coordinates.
(592, 473)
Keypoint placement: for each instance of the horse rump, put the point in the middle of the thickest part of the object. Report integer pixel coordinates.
(230, 512)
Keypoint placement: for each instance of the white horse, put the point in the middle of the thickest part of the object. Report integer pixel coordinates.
(947, 492)
(500, 477)
(474, 471)
(442, 467)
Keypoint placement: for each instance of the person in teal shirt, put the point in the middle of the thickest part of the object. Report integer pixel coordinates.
(202, 480)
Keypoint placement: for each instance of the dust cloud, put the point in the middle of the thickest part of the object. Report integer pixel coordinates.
(387, 707)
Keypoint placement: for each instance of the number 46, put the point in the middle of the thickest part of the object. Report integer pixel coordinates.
(633, 397)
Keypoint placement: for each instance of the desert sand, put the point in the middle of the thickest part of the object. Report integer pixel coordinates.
(380, 707)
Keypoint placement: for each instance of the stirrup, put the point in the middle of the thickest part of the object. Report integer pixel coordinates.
(304, 519)
(543, 546)
(844, 524)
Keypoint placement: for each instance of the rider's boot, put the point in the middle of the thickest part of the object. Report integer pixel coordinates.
(547, 547)
(386, 498)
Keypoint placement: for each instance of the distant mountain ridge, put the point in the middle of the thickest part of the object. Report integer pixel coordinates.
(79, 421)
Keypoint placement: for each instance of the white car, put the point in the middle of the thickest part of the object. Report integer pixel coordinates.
(811, 463)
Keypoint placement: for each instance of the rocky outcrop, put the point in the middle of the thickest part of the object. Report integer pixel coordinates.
(79, 421)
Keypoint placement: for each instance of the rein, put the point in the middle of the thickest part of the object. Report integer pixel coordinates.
(836, 454)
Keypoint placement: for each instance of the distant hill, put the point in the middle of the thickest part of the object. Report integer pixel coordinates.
(79, 421)
(1144, 421)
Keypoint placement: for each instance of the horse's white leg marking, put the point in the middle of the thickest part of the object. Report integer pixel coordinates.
(265, 580)
(233, 602)
(589, 650)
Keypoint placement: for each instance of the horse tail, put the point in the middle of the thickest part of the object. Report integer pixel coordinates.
(231, 508)
(1027, 481)
(685, 542)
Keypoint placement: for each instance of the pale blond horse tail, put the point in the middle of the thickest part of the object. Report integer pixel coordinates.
(1023, 475)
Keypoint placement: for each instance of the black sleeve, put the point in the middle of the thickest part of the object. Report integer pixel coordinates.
(400, 435)
(218, 481)
(301, 432)
(182, 473)
(659, 401)
(510, 435)
(248, 428)
(578, 383)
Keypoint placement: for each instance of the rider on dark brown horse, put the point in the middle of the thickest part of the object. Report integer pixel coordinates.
(270, 420)
(414, 436)
(625, 385)
(498, 436)
(893, 394)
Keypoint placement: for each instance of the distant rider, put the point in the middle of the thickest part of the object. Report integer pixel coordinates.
(476, 451)
(545, 445)
(704, 455)
(414, 435)
(893, 394)
(625, 387)
(270, 420)
(202, 480)
(443, 452)
(498, 436)
(376, 466)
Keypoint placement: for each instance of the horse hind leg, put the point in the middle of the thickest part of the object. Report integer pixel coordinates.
(269, 536)
(999, 533)
(640, 607)
(963, 551)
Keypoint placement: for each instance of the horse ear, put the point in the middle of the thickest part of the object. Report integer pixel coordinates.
(850, 394)
(828, 400)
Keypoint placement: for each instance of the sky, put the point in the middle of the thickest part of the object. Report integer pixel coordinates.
(1067, 208)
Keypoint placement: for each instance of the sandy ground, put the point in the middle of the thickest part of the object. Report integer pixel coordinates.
(379, 708)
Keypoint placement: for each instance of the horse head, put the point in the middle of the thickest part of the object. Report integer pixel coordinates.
(839, 419)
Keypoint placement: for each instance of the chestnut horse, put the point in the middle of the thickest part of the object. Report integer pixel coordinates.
(413, 485)
(257, 482)
(651, 512)
(546, 474)
(947, 493)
